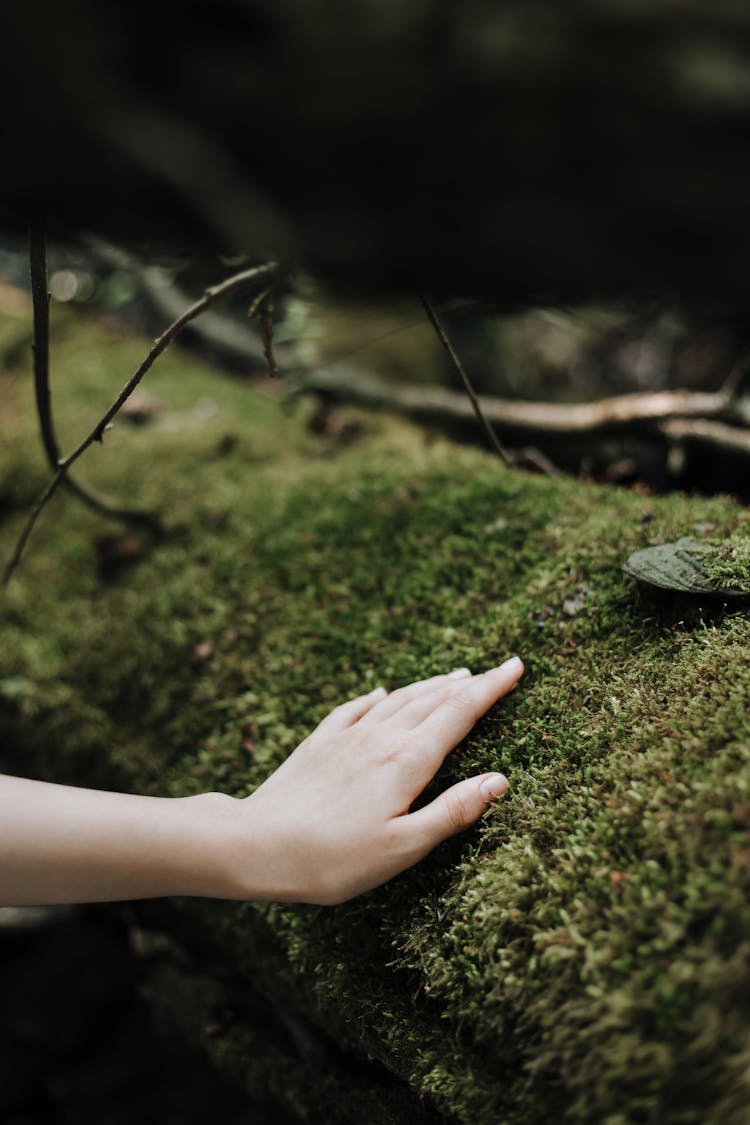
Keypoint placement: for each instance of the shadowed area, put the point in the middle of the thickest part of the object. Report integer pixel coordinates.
(525, 150)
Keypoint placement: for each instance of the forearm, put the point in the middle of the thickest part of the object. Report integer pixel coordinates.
(61, 844)
(333, 821)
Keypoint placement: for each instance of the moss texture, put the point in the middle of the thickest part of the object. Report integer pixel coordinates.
(583, 953)
(730, 569)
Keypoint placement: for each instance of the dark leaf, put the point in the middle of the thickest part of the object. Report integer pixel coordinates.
(682, 566)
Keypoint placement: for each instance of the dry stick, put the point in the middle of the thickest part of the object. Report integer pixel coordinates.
(718, 435)
(266, 320)
(224, 333)
(215, 293)
(40, 348)
(561, 419)
(443, 338)
(732, 385)
(715, 434)
(257, 301)
(262, 307)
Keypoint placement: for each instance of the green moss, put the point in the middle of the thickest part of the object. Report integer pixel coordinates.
(581, 954)
(730, 568)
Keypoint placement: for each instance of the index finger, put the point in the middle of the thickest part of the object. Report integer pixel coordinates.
(452, 719)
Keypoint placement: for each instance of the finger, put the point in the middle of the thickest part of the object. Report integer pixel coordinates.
(452, 719)
(455, 809)
(346, 714)
(401, 696)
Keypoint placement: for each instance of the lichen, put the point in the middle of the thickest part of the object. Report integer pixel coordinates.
(582, 953)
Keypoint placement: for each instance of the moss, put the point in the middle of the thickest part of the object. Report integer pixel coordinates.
(581, 954)
(730, 568)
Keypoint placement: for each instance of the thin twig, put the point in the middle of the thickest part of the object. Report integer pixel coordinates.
(215, 293)
(40, 348)
(732, 385)
(23, 538)
(266, 321)
(262, 307)
(443, 337)
(225, 334)
(40, 345)
(257, 301)
(535, 458)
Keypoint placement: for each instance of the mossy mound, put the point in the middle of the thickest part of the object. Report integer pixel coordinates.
(583, 954)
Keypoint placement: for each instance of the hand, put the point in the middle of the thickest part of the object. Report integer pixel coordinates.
(334, 821)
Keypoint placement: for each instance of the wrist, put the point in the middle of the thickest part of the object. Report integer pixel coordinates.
(221, 869)
(258, 856)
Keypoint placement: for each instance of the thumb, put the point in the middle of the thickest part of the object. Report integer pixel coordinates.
(457, 808)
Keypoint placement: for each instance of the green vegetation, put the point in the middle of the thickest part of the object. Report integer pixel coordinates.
(697, 567)
(582, 954)
(730, 569)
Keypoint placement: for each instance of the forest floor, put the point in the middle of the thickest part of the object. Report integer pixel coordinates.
(585, 946)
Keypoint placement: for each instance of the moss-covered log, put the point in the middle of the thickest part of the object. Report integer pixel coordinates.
(583, 953)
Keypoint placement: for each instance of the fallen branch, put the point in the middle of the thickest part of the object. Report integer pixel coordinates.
(719, 435)
(512, 416)
(215, 293)
(40, 348)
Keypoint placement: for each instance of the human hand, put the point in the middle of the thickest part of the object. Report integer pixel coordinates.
(334, 821)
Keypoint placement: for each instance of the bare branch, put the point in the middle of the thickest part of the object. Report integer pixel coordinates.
(266, 320)
(262, 307)
(718, 435)
(214, 293)
(257, 301)
(531, 457)
(732, 386)
(444, 340)
(224, 334)
(40, 302)
(23, 538)
(513, 416)
(40, 345)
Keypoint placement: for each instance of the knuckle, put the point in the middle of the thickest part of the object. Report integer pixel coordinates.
(459, 702)
(393, 749)
(401, 695)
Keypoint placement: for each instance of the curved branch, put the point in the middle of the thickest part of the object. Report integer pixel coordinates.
(40, 349)
(227, 335)
(215, 293)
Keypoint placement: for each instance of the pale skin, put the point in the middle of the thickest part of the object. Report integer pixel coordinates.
(332, 822)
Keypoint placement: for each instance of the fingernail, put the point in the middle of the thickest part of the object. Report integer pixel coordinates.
(379, 691)
(493, 786)
(513, 666)
(459, 673)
